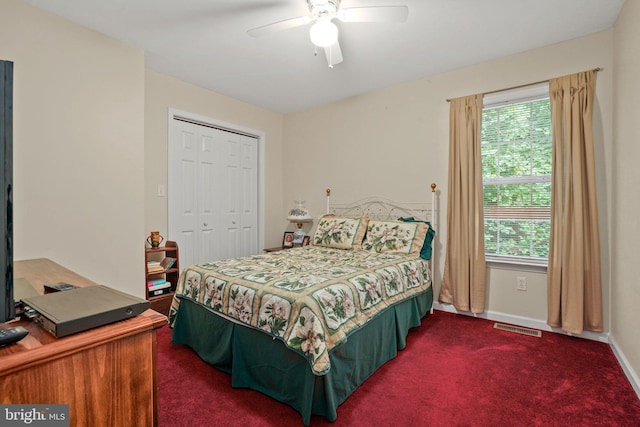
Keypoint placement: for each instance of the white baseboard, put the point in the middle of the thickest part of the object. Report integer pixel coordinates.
(631, 374)
(522, 321)
(541, 325)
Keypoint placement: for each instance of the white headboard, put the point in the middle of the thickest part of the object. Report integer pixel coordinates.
(385, 209)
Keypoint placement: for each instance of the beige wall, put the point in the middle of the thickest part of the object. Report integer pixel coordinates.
(394, 143)
(163, 93)
(78, 146)
(625, 289)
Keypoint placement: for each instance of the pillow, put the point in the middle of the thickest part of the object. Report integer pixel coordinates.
(395, 236)
(426, 250)
(340, 232)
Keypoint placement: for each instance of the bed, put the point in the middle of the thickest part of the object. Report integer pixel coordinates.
(308, 325)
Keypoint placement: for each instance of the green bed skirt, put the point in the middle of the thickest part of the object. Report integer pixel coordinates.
(255, 360)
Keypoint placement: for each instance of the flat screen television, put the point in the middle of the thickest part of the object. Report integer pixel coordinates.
(7, 303)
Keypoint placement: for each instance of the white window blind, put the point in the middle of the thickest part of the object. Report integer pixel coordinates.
(516, 171)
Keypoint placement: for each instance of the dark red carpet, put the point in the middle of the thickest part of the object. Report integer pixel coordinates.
(455, 371)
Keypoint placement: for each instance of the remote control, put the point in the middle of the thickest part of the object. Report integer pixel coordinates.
(11, 335)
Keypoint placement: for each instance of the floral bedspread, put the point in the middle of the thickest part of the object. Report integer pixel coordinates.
(311, 298)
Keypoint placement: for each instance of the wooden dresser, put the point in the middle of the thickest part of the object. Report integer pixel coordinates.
(106, 375)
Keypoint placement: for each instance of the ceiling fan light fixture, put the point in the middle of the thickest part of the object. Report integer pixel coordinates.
(323, 33)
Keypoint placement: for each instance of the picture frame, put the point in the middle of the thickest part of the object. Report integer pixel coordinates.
(287, 239)
(306, 240)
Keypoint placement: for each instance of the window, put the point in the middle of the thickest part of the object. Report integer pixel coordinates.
(516, 172)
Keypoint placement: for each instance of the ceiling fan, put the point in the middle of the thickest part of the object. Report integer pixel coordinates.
(324, 33)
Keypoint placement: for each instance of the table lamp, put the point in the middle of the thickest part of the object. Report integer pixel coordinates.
(299, 215)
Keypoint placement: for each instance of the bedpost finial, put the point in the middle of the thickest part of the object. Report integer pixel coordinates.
(328, 191)
(433, 187)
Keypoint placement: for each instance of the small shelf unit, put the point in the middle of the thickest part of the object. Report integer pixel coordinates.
(162, 303)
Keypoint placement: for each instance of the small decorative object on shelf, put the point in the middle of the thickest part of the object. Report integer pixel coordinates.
(287, 239)
(155, 239)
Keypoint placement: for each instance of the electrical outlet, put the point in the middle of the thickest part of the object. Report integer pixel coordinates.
(521, 283)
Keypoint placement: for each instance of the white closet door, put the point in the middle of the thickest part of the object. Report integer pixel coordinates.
(213, 193)
(248, 197)
(183, 190)
(240, 218)
(233, 191)
(208, 181)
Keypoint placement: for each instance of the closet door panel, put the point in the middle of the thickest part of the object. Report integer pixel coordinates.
(208, 180)
(249, 198)
(234, 192)
(183, 190)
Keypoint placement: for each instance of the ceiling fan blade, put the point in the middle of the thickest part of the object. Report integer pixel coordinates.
(279, 26)
(374, 14)
(333, 54)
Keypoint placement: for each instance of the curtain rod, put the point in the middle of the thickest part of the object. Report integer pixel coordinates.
(525, 85)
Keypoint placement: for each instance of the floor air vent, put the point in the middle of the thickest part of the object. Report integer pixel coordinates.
(518, 329)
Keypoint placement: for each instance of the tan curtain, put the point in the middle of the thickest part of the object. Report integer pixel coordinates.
(464, 280)
(574, 289)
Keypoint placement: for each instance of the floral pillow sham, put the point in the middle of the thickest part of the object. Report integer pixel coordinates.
(340, 232)
(395, 236)
(427, 248)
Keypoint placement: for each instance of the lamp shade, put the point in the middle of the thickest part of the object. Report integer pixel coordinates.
(299, 213)
(323, 33)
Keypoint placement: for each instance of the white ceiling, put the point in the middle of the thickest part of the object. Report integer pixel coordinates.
(205, 42)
